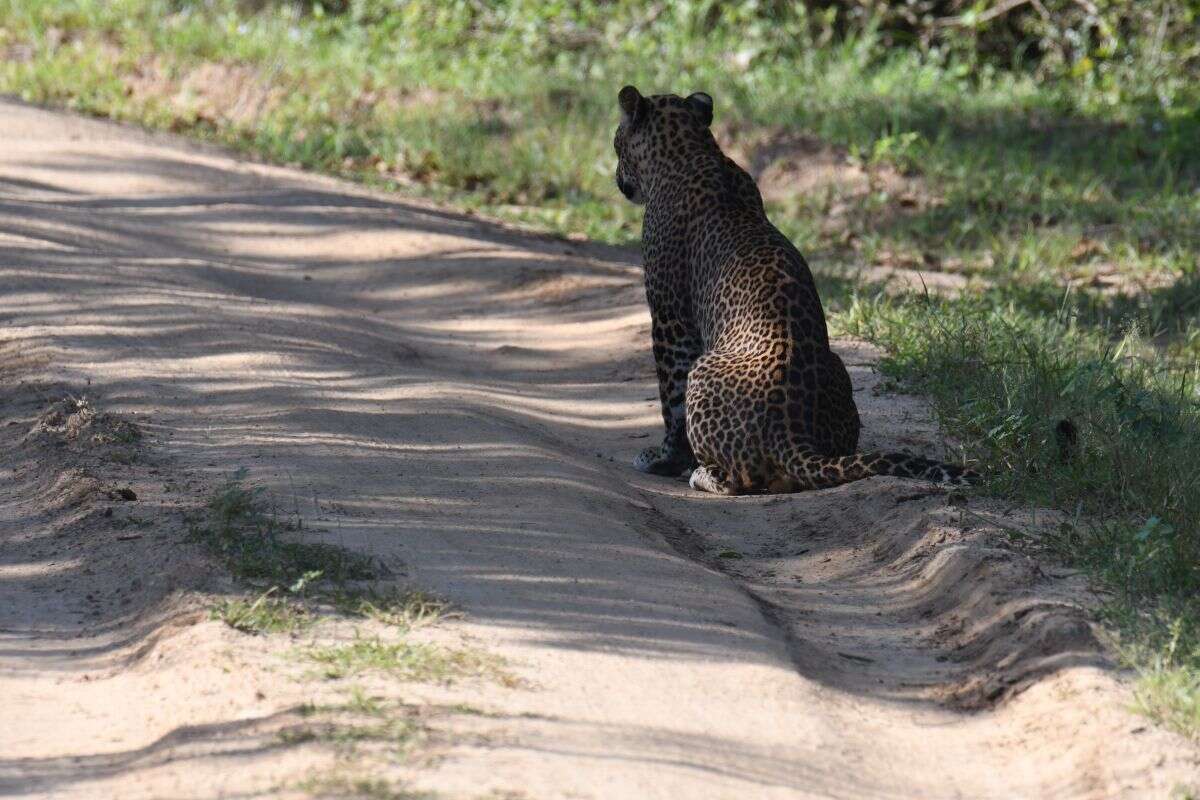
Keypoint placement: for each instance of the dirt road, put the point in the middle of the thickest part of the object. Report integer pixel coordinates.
(462, 401)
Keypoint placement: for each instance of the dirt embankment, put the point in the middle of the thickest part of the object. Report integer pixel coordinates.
(460, 402)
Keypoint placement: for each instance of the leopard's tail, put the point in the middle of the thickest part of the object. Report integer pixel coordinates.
(812, 470)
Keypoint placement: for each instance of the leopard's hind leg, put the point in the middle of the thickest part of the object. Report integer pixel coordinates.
(724, 427)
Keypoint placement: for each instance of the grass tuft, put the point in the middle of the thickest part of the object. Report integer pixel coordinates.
(267, 613)
(403, 660)
(357, 787)
(401, 608)
(256, 544)
(396, 732)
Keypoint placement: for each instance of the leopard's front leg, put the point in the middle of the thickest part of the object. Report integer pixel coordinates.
(676, 348)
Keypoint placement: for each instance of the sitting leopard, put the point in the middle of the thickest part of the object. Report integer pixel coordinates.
(752, 397)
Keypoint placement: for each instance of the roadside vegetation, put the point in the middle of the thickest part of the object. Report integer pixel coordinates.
(256, 543)
(296, 581)
(291, 587)
(1045, 156)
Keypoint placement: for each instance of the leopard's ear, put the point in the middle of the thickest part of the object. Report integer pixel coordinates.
(634, 107)
(702, 106)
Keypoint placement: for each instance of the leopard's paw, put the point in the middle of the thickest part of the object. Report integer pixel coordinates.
(652, 461)
(712, 480)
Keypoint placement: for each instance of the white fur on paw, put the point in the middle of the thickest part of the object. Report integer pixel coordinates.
(702, 481)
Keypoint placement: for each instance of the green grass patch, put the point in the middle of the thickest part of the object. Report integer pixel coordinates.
(404, 660)
(358, 787)
(357, 702)
(397, 731)
(310, 579)
(509, 108)
(267, 613)
(400, 608)
(1167, 651)
(361, 718)
(1170, 696)
(1005, 380)
(360, 702)
(255, 543)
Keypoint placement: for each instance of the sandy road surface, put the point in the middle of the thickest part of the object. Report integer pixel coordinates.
(462, 401)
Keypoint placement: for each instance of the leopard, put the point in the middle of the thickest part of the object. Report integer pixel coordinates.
(753, 398)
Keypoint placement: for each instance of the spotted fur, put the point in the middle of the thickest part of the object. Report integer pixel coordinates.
(752, 397)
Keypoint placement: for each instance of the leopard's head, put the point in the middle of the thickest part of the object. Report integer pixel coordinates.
(653, 133)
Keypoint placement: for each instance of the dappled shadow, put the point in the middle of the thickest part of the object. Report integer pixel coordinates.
(424, 377)
(457, 399)
(21, 186)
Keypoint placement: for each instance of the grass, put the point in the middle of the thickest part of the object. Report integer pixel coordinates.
(306, 577)
(396, 732)
(267, 613)
(362, 703)
(358, 787)
(1068, 194)
(403, 660)
(481, 105)
(298, 607)
(400, 608)
(255, 543)
(1003, 379)
(1169, 693)
(391, 727)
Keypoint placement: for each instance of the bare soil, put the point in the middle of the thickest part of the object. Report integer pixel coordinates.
(461, 401)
